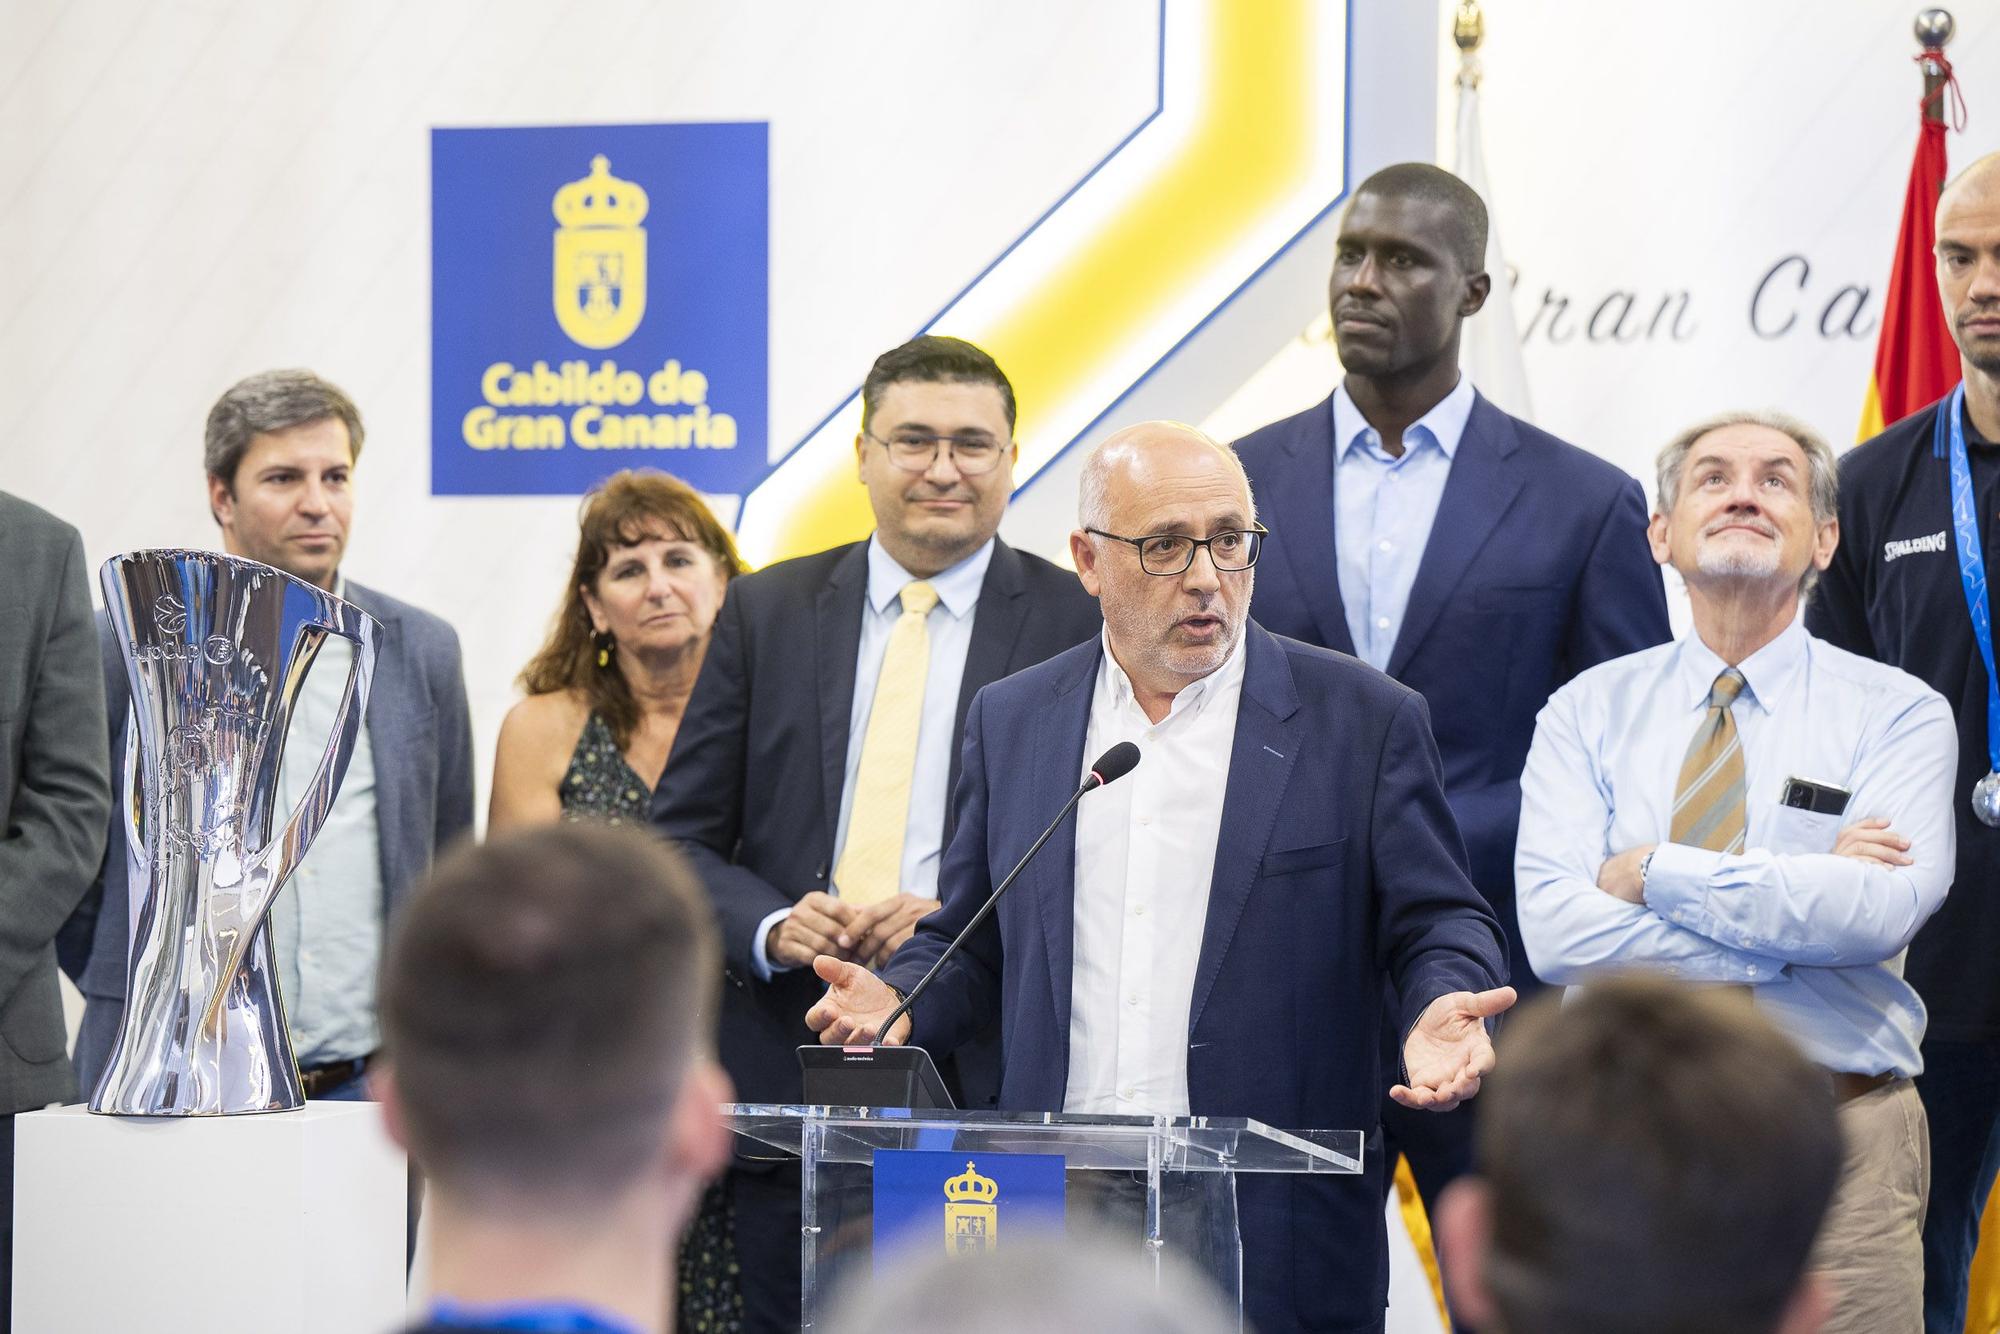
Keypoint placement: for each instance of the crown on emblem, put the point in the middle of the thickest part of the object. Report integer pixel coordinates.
(600, 199)
(971, 1187)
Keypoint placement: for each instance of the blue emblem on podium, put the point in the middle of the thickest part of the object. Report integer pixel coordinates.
(974, 1202)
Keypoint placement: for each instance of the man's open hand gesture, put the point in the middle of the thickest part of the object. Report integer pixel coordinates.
(1449, 1052)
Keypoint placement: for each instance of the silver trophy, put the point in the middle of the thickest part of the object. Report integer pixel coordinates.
(217, 650)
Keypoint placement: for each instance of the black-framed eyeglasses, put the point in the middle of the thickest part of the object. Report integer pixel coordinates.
(916, 451)
(1173, 553)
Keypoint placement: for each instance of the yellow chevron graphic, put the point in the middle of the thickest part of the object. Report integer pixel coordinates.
(1248, 146)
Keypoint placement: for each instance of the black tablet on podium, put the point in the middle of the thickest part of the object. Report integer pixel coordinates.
(871, 1077)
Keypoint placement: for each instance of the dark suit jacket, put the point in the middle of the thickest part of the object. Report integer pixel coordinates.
(752, 789)
(55, 791)
(1537, 568)
(420, 733)
(1338, 865)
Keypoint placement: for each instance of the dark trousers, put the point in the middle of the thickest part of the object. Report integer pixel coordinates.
(1960, 1087)
(767, 1246)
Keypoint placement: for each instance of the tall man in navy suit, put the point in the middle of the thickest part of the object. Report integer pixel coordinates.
(1474, 558)
(811, 778)
(1229, 928)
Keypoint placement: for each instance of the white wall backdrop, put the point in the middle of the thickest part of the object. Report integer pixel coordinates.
(1677, 155)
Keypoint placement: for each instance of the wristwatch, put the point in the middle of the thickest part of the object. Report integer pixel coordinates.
(1645, 865)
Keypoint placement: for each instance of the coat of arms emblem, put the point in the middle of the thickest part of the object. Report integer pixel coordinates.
(971, 1216)
(600, 257)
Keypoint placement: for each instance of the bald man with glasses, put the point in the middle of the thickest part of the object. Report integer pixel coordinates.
(1225, 932)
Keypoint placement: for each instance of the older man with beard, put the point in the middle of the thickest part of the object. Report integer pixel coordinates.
(1213, 940)
(1753, 807)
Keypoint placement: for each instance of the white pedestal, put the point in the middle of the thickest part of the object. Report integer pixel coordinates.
(283, 1223)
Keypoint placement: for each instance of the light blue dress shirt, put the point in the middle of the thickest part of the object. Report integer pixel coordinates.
(326, 923)
(1383, 508)
(949, 626)
(1819, 938)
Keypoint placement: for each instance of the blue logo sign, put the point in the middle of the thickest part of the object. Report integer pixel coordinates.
(599, 300)
(971, 1203)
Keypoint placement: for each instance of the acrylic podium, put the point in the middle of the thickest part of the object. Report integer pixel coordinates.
(1167, 1183)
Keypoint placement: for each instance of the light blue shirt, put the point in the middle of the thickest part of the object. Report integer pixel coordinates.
(1383, 508)
(949, 626)
(1819, 937)
(326, 923)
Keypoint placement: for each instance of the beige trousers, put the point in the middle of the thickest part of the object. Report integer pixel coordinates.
(1870, 1250)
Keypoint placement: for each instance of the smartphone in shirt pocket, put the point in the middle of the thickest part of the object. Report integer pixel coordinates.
(1808, 816)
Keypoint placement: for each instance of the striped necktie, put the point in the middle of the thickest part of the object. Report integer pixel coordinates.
(871, 860)
(1708, 802)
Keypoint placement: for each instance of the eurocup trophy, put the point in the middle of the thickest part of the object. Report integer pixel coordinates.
(217, 650)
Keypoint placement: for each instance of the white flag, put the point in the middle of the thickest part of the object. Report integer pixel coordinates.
(1489, 349)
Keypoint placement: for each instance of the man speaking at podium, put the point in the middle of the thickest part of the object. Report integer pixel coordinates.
(1214, 938)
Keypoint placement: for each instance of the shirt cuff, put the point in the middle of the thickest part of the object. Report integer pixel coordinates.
(760, 962)
(1678, 883)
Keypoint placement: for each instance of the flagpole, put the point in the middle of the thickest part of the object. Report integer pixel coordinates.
(1934, 29)
(1489, 342)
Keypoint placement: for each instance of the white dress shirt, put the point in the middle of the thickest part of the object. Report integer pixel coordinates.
(1384, 506)
(949, 626)
(326, 923)
(1145, 857)
(1819, 938)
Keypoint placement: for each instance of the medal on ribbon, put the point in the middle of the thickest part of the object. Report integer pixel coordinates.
(1948, 441)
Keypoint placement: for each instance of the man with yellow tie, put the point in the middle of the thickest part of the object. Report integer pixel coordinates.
(1755, 808)
(810, 782)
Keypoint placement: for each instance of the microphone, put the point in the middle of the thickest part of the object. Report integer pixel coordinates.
(1111, 766)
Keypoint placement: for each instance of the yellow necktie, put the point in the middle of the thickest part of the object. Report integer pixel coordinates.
(1708, 801)
(871, 861)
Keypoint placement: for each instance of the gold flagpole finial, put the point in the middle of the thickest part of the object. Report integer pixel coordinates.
(1468, 26)
(1468, 29)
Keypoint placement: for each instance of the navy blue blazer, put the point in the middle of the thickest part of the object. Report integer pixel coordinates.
(1536, 569)
(420, 733)
(1338, 866)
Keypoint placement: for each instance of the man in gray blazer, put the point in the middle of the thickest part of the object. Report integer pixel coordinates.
(281, 450)
(55, 796)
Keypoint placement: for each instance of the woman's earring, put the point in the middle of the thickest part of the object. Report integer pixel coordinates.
(606, 645)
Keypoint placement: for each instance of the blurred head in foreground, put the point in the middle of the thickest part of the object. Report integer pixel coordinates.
(548, 1018)
(1048, 1282)
(1651, 1160)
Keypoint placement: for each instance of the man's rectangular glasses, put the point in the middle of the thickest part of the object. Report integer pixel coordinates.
(913, 451)
(1173, 553)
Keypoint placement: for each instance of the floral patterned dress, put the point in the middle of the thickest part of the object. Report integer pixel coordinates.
(600, 785)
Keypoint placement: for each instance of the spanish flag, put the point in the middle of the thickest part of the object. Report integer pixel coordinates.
(1916, 363)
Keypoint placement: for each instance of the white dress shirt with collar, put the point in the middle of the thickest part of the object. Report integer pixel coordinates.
(326, 923)
(1384, 507)
(949, 626)
(1145, 857)
(1819, 937)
